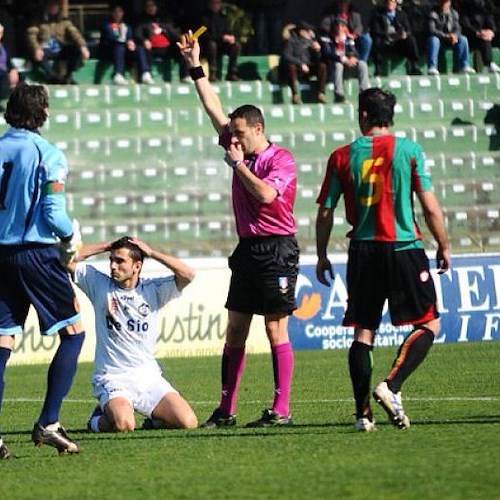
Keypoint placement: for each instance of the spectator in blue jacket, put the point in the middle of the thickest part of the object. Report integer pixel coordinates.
(116, 44)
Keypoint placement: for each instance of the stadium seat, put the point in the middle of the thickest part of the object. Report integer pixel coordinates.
(62, 122)
(337, 114)
(126, 121)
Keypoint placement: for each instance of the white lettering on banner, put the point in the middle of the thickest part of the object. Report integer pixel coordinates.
(496, 284)
(439, 288)
(393, 340)
(464, 328)
(468, 287)
(337, 298)
(491, 324)
(317, 331)
(192, 327)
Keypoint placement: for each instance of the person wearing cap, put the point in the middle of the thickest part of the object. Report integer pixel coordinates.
(301, 59)
(338, 49)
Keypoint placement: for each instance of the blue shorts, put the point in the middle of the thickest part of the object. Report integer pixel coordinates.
(32, 274)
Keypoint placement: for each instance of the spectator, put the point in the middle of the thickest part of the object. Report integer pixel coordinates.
(478, 24)
(219, 40)
(300, 59)
(156, 37)
(116, 44)
(55, 38)
(9, 77)
(445, 29)
(391, 35)
(343, 9)
(268, 25)
(338, 49)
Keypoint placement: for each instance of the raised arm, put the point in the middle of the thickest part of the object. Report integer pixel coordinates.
(183, 273)
(190, 50)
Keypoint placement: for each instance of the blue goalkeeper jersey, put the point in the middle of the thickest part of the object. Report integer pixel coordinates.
(33, 174)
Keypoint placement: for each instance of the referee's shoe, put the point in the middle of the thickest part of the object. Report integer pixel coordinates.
(54, 435)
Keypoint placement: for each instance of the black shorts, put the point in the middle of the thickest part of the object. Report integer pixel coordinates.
(379, 271)
(264, 275)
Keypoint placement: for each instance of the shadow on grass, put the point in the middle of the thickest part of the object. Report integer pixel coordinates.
(83, 435)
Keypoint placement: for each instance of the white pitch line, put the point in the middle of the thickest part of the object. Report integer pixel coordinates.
(300, 402)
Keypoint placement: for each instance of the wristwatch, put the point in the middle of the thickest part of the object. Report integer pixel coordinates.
(235, 163)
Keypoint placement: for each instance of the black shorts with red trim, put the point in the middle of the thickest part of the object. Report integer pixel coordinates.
(379, 271)
(263, 275)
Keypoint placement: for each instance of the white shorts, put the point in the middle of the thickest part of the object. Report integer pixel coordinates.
(143, 388)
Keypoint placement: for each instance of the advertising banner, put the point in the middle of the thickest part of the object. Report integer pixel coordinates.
(195, 324)
(468, 301)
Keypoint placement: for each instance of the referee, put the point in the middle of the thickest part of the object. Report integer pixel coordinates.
(264, 265)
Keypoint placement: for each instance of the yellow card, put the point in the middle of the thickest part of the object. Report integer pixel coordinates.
(199, 32)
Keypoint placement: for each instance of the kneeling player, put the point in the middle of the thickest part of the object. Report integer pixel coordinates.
(126, 376)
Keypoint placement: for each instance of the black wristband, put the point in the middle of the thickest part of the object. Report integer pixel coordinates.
(196, 73)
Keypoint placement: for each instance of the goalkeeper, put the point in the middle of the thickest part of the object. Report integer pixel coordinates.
(34, 228)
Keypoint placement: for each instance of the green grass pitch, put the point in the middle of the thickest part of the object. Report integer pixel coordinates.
(451, 451)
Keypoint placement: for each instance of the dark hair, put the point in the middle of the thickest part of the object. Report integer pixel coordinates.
(251, 113)
(378, 105)
(135, 252)
(27, 106)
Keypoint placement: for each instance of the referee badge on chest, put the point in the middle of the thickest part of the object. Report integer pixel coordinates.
(283, 284)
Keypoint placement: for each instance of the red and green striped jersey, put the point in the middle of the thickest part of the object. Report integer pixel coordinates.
(377, 176)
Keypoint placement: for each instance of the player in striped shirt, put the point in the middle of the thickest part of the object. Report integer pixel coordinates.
(379, 174)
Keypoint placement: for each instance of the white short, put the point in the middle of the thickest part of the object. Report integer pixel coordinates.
(143, 388)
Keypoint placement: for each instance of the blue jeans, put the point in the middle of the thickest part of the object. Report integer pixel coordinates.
(364, 46)
(460, 50)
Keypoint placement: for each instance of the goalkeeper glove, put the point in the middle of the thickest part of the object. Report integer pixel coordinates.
(68, 248)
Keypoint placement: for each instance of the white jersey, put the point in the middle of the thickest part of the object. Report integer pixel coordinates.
(126, 320)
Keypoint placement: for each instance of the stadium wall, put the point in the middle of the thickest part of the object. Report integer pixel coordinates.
(194, 325)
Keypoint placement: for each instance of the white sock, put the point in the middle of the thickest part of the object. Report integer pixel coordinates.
(53, 427)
